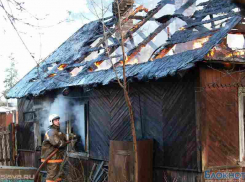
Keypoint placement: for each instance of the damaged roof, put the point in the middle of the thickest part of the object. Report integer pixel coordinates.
(76, 54)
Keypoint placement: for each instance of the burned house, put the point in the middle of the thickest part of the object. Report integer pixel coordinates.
(190, 103)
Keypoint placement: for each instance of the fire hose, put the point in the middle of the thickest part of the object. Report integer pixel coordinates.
(46, 160)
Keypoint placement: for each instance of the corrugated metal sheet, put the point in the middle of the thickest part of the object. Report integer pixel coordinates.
(76, 48)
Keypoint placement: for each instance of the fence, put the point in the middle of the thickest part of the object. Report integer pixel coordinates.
(7, 145)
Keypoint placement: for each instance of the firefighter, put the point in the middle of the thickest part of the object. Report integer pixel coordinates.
(53, 139)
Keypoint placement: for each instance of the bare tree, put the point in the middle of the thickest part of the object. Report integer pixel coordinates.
(123, 83)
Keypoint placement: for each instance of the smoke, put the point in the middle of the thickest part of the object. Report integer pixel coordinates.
(80, 124)
(60, 106)
(67, 109)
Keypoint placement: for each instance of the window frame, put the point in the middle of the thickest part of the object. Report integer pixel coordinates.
(83, 154)
(33, 116)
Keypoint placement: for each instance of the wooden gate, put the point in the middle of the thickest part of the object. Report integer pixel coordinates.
(7, 145)
(121, 164)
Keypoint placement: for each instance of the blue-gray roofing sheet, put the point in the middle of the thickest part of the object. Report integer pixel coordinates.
(36, 81)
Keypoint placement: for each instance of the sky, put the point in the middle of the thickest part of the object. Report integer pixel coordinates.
(57, 21)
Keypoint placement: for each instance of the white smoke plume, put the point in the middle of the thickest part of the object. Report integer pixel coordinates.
(60, 106)
(67, 109)
(80, 124)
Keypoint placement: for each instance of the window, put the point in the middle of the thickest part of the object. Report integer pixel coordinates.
(78, 124)
(29, 116)
(241, 97)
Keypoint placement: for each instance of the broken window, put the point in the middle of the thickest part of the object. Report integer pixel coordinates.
(29, 116)
(77, 123)
(76, 70)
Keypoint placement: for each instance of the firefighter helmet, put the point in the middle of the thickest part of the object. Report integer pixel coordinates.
(53, 117)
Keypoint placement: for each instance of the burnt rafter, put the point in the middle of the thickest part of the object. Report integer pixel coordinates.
(190, 21)
(143, 36)
(184, 7)
(214, 10)
(192, 25)
(181, 36)
(110, 33)
(136, 27)
(132, 53)
(159, 54)
(188, 34)
(133, 30)
(149, 15)
(163, 19)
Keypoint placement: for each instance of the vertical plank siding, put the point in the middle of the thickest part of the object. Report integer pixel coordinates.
(99, 125)
(163, 111)
(220, 122)
(25, 135)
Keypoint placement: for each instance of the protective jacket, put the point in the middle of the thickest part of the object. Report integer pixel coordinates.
(53, 139)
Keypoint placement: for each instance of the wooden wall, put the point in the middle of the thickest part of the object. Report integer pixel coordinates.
(163, 111)
(25, 130)
(219, 119)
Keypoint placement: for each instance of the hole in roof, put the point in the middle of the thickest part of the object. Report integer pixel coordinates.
(235, 10)
(137, 37)
(207, 25)
(51, 66)
(76, 70)
(179, 24)
(140, 57)
(191, 45)
(224, 52)
(96, 42)
(235, 41)
(51, 75)
(106, 64)
(168, 9)
(94, 55)
(111, 41)
(62, 67)
(149, 27)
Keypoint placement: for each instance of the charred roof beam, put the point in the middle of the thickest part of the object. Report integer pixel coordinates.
(143, 36)
(135, 28)
(150, 15)
(216, 10)
(189, 36)
(184, 7)
(189, 21)
(132, 53)
(209, 21)
(212, 23)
